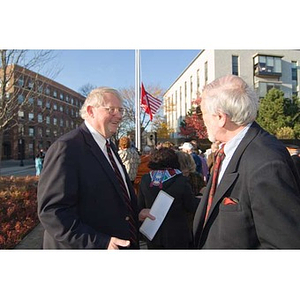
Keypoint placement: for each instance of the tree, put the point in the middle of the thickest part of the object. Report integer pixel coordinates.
(86, 89)
(13, 66)
(278, 115)
(128, 123)
(193, 125)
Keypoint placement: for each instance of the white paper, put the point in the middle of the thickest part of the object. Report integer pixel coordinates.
(159, 209)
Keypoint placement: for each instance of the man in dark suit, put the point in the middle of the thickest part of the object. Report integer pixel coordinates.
(80, 201)
(256, 203)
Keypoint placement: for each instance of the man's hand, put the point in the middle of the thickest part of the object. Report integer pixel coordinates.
(145, 213)
(115, 243)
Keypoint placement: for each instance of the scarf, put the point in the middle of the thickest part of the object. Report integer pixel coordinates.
(160, 176)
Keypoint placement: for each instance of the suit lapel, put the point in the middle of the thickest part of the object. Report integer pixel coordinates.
(231, 172)
(99, 155)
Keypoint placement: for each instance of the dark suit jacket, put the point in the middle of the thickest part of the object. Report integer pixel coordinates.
(263, 181)
(174, 232)
(80, 202)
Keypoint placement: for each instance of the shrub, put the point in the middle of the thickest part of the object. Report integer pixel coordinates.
(18, 209)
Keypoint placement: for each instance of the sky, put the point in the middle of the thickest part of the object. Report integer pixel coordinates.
(116, 68)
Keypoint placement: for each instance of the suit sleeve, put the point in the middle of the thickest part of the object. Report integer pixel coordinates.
(275, 203)
(58, 200)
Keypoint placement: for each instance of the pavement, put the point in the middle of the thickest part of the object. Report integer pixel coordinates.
(34, 239)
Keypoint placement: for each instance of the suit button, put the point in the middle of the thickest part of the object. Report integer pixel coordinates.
(127, 218)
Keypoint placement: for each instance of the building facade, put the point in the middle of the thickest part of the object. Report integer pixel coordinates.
(44, 110)
(261, 69)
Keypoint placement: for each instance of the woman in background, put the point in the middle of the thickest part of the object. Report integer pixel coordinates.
(174, 232)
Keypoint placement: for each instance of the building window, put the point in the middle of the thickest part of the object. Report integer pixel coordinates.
(48, 132)
(55, 106)
(294, 78)
(267, 65)
(21, 114)
(47, 120)
(48, 105)
(40, 132)
(21, 81)
(54, 121)
(30, 84)
(235, 65)
(264, 87)
(40, 103)
(61, 96)
(47, 91)
(55, 94)
(31, 116)
(20, 99)
(198, 82)
(40, 118)
(206, 72)
(31, 131)
(31, 100)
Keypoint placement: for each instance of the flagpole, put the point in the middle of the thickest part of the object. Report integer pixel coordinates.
(137, 101)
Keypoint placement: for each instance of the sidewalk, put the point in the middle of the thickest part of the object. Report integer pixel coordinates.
(11, 166)
(33, 240)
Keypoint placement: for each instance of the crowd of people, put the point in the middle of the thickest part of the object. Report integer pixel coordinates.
(243, 192)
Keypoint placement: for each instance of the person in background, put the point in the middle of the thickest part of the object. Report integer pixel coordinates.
(174, 232)
(130, 157)
(38, 164)
(168, 144)
(189, 148)
(83, 189)
(211, 156)
(42, 155)
(143, 167)
(188, 169)
(205, 170)
(256, 202)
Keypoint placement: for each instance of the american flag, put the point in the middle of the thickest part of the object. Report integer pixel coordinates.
(149, 103)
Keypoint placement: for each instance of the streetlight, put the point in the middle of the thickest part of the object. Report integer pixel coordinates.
(21, 146)
(21, 152)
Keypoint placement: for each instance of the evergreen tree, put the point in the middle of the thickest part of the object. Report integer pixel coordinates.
(279, 115)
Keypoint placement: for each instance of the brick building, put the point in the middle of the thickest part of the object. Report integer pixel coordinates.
(44, 111)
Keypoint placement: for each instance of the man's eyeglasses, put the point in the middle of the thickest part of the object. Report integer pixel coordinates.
(114, 110)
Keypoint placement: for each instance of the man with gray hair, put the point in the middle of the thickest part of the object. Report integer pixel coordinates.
(252, 199)
(85, 197)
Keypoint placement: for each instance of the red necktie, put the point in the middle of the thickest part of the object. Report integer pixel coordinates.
(216, 168)
(132, 227)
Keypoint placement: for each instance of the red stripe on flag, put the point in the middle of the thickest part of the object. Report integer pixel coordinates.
(149, 103)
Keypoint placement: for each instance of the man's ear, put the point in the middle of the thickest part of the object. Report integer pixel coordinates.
(90, 110)
(222, 119)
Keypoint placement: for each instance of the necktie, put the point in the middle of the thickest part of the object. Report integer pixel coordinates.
(216, 168)
(132, 227)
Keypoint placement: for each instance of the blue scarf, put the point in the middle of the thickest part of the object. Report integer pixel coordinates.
(160, 176)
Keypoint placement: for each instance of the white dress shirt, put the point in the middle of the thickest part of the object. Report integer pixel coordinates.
(101, 141)
(230, 148)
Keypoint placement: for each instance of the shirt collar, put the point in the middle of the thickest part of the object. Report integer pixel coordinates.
(99, 138)
(232, 144)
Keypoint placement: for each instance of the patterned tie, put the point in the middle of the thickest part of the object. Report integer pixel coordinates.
(132, 227)
(216, 168)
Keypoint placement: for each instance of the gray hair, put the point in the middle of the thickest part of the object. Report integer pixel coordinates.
(96, 98)
(232, 96)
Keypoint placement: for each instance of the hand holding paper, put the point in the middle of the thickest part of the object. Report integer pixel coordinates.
(159, 210)
(145, 213)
